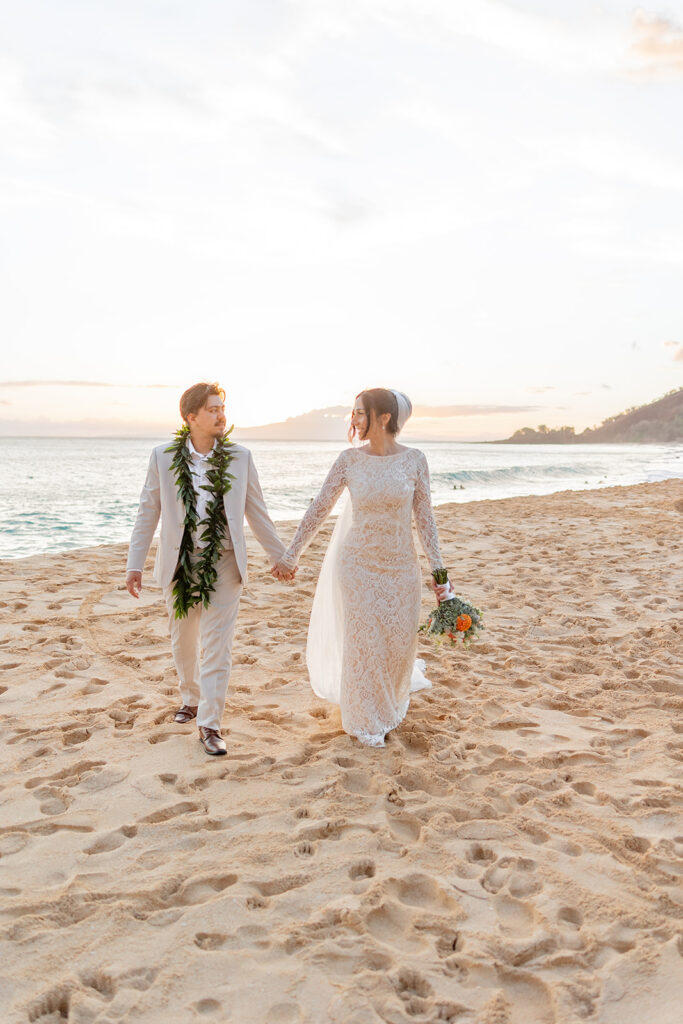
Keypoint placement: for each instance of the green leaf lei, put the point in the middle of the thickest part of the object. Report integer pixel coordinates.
(195, 584)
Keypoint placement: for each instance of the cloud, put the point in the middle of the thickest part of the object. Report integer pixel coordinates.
(76, 384)
(347, 212)
(441, 411)
(54, 384)
(614, 158)
(657, 45)
(542, 390)
(86, 427)
(551, 42)
(679, 355)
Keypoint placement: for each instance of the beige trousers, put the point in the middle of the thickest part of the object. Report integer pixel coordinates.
(204, 679)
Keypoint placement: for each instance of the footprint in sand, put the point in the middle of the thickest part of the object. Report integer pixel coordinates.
(210, 940)
(419, 890)
(52, 801)
(166, 813)
(112, 841)
(122, 719)
(570, 917)
(52, 689)
(208, 1008)
(515, 917)
(515, 874)
(567, 846)
(362, 869)
(55, 1005)
(284, 1013)
(404, 827)
(392, 924)
(415, 991)
(277, 886)
(71, 776)
(256, 903)
(12, 843)
(100, 983)
(201, 890)
(74, 734)
(345, 762)
(244, 659)
(478, 854)
(162, 737)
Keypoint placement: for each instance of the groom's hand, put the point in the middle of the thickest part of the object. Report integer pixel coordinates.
(282, 574)
(134, 583)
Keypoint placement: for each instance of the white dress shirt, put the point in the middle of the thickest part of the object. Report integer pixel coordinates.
(199, 468)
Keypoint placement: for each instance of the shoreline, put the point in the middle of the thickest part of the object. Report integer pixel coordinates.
(513, 855)
(290, 525)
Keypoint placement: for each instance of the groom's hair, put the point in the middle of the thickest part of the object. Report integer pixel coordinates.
(195, 398)
(379, 401)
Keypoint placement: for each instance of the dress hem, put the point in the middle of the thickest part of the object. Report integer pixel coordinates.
(369, 738)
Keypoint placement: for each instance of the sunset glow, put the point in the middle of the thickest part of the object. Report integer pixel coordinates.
(479, 204)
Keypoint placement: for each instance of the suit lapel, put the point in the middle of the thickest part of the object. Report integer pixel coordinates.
(233, 500)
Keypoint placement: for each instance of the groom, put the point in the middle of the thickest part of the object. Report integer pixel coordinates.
(203, 487)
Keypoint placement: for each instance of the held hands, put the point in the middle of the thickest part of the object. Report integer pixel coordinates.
(282, 573)
(134, 583)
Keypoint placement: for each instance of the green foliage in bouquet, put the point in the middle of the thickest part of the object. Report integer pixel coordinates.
(454, 619)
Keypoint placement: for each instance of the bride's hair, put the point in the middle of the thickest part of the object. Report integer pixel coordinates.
(379, 401)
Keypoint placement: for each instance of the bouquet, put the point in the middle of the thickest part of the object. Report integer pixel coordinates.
(455, 617)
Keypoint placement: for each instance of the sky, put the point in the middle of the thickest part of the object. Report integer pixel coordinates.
(479, 203)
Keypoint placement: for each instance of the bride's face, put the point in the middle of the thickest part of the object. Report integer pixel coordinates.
(359, 419)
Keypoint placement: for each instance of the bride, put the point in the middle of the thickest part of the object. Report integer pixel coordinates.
(362, 636)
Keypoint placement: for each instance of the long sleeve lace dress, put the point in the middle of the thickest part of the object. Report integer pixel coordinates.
(380, 580)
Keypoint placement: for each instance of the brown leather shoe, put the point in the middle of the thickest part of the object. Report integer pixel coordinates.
(212, 741)
(186, 714)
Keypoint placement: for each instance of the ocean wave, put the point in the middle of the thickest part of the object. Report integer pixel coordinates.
(505, 474)
(659, 475)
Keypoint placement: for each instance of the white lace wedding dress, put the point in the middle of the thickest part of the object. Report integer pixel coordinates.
(363, 631)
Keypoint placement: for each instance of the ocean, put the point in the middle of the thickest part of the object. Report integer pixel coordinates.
(63, 493)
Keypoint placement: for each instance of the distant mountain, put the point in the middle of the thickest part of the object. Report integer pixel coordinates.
(317, 425)
(658, 422)
(428, 422)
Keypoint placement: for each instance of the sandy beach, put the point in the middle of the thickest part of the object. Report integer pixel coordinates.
(513, 856)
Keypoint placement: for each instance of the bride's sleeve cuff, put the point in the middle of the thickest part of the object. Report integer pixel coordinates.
(288, 560)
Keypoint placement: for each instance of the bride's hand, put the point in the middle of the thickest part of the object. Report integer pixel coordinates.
(443, 591)
(282, 573)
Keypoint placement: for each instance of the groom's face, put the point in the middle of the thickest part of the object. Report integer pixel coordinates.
(211, 417)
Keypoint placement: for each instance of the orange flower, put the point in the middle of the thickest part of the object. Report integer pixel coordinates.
(450, 635)
(463, 623)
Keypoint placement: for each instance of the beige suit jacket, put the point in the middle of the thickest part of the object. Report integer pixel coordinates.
(159, 498)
